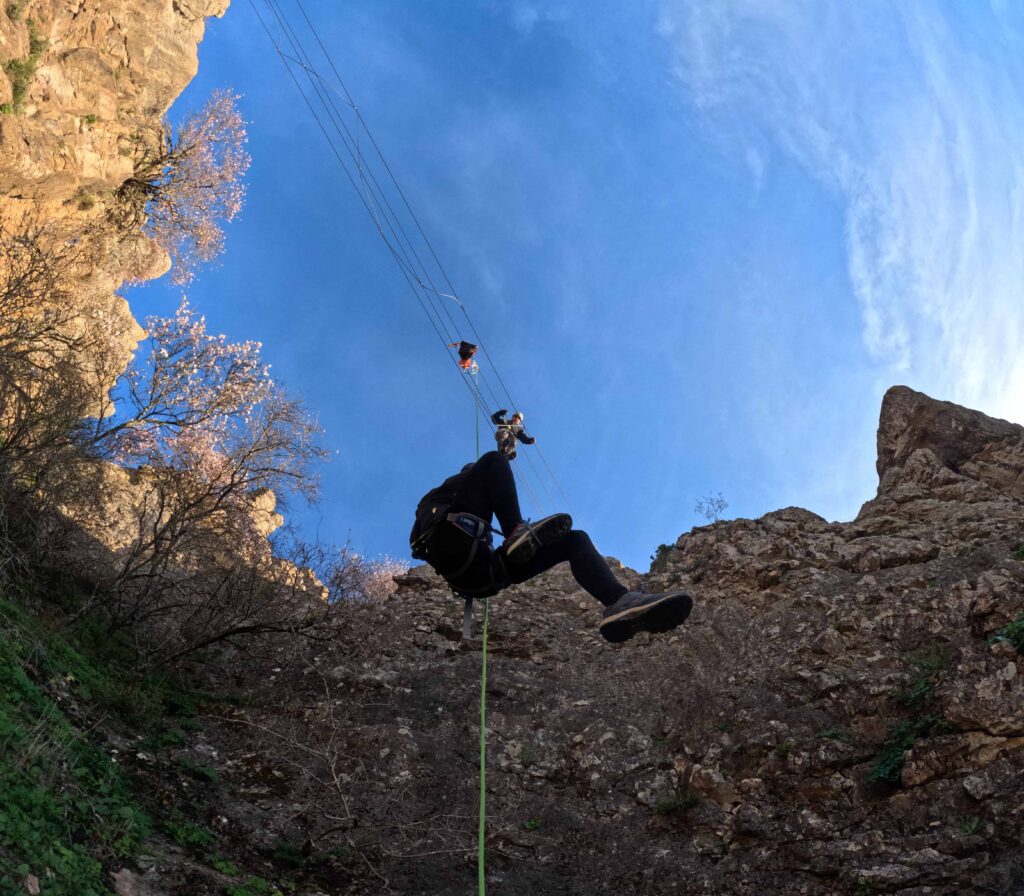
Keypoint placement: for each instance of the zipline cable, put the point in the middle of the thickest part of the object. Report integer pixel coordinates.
(453, 294)
(435, 320)
(376, 203)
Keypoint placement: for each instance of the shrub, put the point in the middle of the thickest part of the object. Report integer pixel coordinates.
(888, 766)
(21, 71)
(1012, 633)
(711, 506)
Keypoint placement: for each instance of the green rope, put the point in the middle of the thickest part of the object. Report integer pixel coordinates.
(482, 886)
(476, 415)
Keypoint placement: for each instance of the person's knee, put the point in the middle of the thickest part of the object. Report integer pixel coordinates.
(577, 540)
(490, 459)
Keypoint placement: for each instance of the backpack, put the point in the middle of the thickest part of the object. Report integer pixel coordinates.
(433, 511)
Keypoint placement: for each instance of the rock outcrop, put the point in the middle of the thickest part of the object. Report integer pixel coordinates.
(106, 73)
(84, 87)
(843, 713)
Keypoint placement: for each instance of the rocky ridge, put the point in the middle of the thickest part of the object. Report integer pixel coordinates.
(843, 713)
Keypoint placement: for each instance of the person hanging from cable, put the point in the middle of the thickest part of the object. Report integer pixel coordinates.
(508, 431)
(453, 533)
(466, 352)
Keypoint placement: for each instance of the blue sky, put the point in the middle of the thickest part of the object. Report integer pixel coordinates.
(699, 241)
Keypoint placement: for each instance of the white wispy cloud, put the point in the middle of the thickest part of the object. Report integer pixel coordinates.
(913, 116)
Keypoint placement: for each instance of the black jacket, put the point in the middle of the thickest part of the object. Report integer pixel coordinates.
(516, 429)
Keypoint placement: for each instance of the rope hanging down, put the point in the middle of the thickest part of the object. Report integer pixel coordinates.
(346, 142)
(432, 300)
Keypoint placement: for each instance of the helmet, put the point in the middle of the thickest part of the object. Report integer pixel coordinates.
(518, 414)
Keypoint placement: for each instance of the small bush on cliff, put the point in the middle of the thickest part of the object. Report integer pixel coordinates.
(916, 697)
(187, 182)
(21, 71)
(1012, 633)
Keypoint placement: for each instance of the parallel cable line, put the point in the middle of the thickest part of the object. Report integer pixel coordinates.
(426, 240)
(380, 209)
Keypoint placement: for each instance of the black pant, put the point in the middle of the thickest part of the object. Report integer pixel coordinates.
(490, 489)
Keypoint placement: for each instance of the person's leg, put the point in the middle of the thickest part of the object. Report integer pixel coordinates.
(588, 567)
(490, 488)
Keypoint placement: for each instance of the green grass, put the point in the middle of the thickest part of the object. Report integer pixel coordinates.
(189, 835)
(224, 866)
(253, 886)
(1012, 633)
(21, 71)
(925, 669)
(1018, 554)
(916, 697)
(888, 766)
(671, 802)
(971, 825)
(14, 9)
(288, 854)
(532, 824)
(200, 772)
(783, 750)
(66, 804)
(839, 734)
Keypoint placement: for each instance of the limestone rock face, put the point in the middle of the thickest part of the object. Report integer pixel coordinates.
(110, 69)
(105, 73)
(838, 716)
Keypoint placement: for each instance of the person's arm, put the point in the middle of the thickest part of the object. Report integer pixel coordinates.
(498, 417)
(523, 437)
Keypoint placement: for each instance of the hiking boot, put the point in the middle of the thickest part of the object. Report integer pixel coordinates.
(522, 542)
(638, 612)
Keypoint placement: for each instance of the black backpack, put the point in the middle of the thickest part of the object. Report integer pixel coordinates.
(431, 512)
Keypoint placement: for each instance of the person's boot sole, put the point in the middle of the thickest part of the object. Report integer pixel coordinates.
(543, 532)
(660, 616)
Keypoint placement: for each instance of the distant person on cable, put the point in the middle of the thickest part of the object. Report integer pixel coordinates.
(453, 534)
(508, 431)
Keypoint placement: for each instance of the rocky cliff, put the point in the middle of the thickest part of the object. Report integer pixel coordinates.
(83, 90)
(843, 713)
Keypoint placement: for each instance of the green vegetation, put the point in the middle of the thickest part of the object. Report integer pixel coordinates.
(91, 118)
(189, 835)
(864, 888)
(223, 866)
(783, 749)
(1012, 633)
(916, 697)
(925, 669)
(253, 886)
(888, 765)
(21, 71)
(839, 734)
(14, 9)
(671, 802)
(201, 772)
(288, 854)
(971, 825)
(659, 557)
(67, 806)
(1018, 554)
(531, 824)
